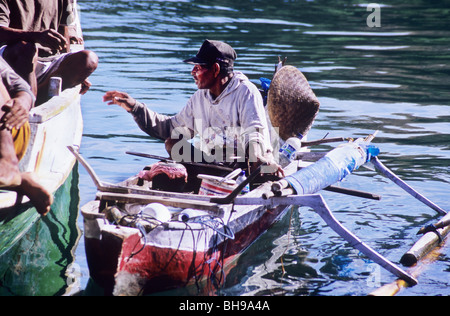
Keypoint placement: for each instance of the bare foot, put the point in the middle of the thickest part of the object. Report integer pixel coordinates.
(38, 195)
(9, 175)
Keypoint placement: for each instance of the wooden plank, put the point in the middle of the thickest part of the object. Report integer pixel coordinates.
(213, 208)
(54, 106)
(91, 210)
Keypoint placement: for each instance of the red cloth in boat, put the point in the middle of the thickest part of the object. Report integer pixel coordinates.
(173, 171)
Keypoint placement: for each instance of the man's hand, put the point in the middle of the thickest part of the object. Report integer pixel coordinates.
(16, 112)
(121, 99)
(269, 166)
(85, 86)
(51, 39)
(258, 157)
(73, 35)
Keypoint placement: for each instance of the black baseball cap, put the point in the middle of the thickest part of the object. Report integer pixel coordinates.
(212, 52)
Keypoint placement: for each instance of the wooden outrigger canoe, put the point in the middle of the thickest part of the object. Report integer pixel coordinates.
(175, 253)
(131, 252)
(55, 125)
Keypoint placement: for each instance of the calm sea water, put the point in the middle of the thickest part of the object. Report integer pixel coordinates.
(393, 78)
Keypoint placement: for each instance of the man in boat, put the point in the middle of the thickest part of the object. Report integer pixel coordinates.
(36, 35)
(16, 100)
(227, 113)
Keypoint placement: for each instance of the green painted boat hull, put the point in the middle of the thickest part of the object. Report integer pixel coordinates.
(37, 253)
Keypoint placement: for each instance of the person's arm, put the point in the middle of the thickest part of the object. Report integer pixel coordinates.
(67, 28)
(49, 38)
(13, 82)
(257, 137)
(154, 124)
(254, 124)
(22, 99)
(150, 122)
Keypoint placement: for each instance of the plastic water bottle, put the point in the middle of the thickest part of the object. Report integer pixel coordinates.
(241, 179)
(333, 168)
(289, 148)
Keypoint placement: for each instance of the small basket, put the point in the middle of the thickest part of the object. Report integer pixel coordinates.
(292, 105)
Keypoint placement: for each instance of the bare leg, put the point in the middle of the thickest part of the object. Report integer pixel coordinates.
(22, 183)
(74, 70)
(10, 176)
(9, 170)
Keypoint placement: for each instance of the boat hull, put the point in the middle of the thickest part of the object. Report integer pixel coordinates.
(42, 262)
(54, 125)
(123, 262)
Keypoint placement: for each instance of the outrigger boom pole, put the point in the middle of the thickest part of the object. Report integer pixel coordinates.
(318, 204)
(307, 182)
(402, 184)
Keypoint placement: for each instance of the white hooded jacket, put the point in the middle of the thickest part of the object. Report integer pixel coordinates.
(234, 119)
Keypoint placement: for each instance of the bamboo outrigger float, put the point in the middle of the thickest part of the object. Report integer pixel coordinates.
(131, 252)
(55, 125)
(433, 236)
(424, 252)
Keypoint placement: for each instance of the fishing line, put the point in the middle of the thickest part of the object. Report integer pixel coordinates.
(288, 241)
(135, 221)
(214, 263)
(215, 224)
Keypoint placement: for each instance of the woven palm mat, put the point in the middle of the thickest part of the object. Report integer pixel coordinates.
(292, 105)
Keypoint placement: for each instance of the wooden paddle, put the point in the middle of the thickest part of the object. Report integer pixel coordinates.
(324, 141)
